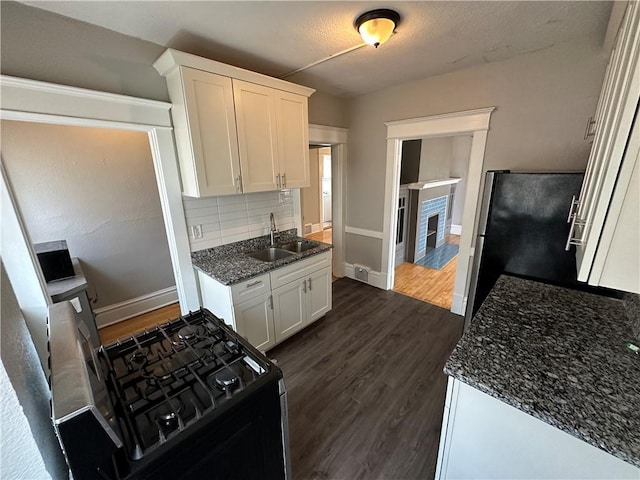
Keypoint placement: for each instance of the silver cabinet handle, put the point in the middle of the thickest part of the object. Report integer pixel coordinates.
(589, 130)
(284, 180)
(571, 240)
(253, 284)
(238, 184)
(278, 181)
(304, 286)
(271, 302)
(309, 283)
(574, 203)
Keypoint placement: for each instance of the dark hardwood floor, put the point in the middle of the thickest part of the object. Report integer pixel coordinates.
(365, 386)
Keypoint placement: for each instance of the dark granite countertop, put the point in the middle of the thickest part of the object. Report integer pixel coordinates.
(559, 355)
(230, 264)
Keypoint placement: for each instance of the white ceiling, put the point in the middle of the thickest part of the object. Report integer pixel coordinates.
(275, 38)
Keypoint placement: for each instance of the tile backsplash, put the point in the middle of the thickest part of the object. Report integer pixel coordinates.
(232, 218)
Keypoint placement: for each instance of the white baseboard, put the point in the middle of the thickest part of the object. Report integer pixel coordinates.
(376, 279)
(118, 312)
(316, 227)
(456, 229)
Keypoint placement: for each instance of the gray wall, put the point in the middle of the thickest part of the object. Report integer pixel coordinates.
(41, 45)
(96, 189)
(542, 101)
(18, 456)
(435, 158)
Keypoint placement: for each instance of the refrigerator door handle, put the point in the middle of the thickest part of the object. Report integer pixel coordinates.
(473, 284)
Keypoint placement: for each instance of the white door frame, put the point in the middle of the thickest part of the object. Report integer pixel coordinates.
(336, 138)
(474, 122)
(40, 102)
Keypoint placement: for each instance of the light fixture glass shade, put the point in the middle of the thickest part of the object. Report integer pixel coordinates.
(377, 31)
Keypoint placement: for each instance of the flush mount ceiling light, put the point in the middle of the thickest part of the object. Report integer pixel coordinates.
(377, 26)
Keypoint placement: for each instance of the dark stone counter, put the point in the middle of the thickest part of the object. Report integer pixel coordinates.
(230, 264)
(559, 355)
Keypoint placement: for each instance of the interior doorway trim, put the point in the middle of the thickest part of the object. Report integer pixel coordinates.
(473, 122)
(336, 138)
(34, 101)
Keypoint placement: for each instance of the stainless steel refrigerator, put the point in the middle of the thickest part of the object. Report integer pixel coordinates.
(523, 232)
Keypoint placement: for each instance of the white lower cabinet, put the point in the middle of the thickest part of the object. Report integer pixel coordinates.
(271, 307)
(289, 309)
(319, 293)
(297, 304)
(483, 437)
(254, 321)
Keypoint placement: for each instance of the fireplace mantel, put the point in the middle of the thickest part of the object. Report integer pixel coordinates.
(432, 183)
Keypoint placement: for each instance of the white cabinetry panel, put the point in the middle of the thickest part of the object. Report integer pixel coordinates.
(289, 309)
(606, 176)
(319, 293)
(257, 138)
(206, 136)
(293, 139)
(486, 438)
(254, 321)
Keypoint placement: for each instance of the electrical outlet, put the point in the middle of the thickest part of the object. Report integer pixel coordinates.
(196, 231)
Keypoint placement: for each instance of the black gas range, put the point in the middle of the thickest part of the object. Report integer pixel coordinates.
(186, 399)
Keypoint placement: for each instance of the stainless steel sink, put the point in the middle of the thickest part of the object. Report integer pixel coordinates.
(299, 246)
(270, 254)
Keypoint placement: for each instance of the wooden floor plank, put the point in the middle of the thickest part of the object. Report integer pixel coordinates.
(428, 284)
(325, 235)
(139, 323)
(365, 386)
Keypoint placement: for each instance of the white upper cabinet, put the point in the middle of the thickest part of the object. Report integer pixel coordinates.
(293, 139)
(257, 136)
(273, 137)
(236, 131)
(604, 219)
(205, 129)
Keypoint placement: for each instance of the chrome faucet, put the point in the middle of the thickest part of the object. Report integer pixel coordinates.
(273, 231)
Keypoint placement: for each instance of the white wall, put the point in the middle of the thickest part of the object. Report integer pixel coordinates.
(96, 189)
(29, 448)
(231, 218)
(542, 101)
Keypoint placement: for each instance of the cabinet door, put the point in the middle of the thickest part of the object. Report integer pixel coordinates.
(254, 321)
(289, 309)
(212, 125)
(257, 137)
(293, 139)
(319, 293)
(616, 111)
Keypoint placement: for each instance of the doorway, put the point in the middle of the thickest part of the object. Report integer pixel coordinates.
(95, 189)
(334, 139)
(316, 199)
(40, 102)
(433, 174)
(471, 122)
